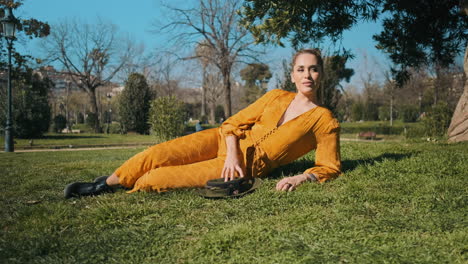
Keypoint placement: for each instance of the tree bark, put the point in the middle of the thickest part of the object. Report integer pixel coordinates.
(94, 106)
(458, 129)
(203, 99)
(212, 119)
(227, 93)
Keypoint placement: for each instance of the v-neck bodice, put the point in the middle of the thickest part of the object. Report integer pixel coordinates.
(286, 109)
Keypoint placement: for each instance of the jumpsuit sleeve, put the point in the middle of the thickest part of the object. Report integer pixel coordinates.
(327, 154)
(246, 118)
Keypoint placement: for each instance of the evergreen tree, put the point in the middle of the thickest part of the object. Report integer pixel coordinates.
(286, 83)
(256, 77)
(134, 104)
(31, 111)
(334, 72)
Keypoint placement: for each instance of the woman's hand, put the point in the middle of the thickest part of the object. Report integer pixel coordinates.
(233, 167)
(290, 183)
(234, 163)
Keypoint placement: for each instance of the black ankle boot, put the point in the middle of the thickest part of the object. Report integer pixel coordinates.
(78, 189)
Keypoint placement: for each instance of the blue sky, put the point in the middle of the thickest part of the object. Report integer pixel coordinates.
(137, 17)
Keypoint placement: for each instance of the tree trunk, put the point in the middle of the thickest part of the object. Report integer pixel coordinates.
(212, 119)
(458, 129)
(203, 94)
(391, 109)
(94, 107)
(227, 93)
(437, 85)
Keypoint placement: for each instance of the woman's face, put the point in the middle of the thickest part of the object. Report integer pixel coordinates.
(306, 74)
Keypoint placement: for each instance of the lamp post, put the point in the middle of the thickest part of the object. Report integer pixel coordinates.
(9, 26)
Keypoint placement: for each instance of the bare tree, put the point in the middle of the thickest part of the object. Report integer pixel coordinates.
(92, 55)
(214, 90)
(214, 24)
(163, 80)
(203, 51)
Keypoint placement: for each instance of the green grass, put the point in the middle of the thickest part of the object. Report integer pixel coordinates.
(395, 203)
(379, 127)
(58, 140)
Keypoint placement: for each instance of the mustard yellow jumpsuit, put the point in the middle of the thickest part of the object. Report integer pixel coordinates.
(192, 160)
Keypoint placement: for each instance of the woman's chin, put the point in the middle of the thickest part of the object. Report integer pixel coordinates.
(307, 89)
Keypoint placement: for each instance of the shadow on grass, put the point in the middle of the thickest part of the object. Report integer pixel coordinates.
(299, 166)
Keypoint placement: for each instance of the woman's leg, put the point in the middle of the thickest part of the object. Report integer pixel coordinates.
(183, 176)
(196, 147)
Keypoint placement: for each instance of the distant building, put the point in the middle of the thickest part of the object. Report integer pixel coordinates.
(63, 82)
(61, 79)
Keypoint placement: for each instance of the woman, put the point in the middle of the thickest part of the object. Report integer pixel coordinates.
(275, 130)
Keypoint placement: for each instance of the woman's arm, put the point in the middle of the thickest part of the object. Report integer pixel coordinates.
(234, 162)
(327, 158)
(246, 118)
(291, 183)
(234, 129)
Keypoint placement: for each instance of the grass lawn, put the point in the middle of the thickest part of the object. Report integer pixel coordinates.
(395, 203)
(57, 140)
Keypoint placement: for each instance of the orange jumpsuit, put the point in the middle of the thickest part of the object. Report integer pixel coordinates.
(192, 160)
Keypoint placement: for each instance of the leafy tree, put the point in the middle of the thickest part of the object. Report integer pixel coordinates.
(256, 76)
(31, 113)
(31, 28)
(304, 21)
(334, 72)
(134, 104)
(167, 118)
(285, 83)
(415, 32)
(423, 32)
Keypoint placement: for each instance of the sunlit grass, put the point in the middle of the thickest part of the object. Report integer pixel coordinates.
(395, 203)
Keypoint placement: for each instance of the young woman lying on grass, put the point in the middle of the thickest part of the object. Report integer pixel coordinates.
(275, 130)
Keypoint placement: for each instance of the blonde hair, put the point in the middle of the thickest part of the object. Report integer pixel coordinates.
(315, 52)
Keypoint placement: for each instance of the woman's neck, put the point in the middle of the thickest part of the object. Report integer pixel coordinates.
(306, 98)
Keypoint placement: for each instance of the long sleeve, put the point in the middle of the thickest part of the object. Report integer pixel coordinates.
(246, 118)
(327, 154)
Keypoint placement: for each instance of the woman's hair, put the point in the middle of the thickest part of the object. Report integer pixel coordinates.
(315, 52)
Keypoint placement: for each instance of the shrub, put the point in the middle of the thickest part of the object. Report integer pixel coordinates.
(357, 111)
(80, 118)
(416, 131)
(437, 120)
(219, 113)
(91, 119)
(60, 122)
(115, 128)
(84, 128)
(409, 113)
(167, 118)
